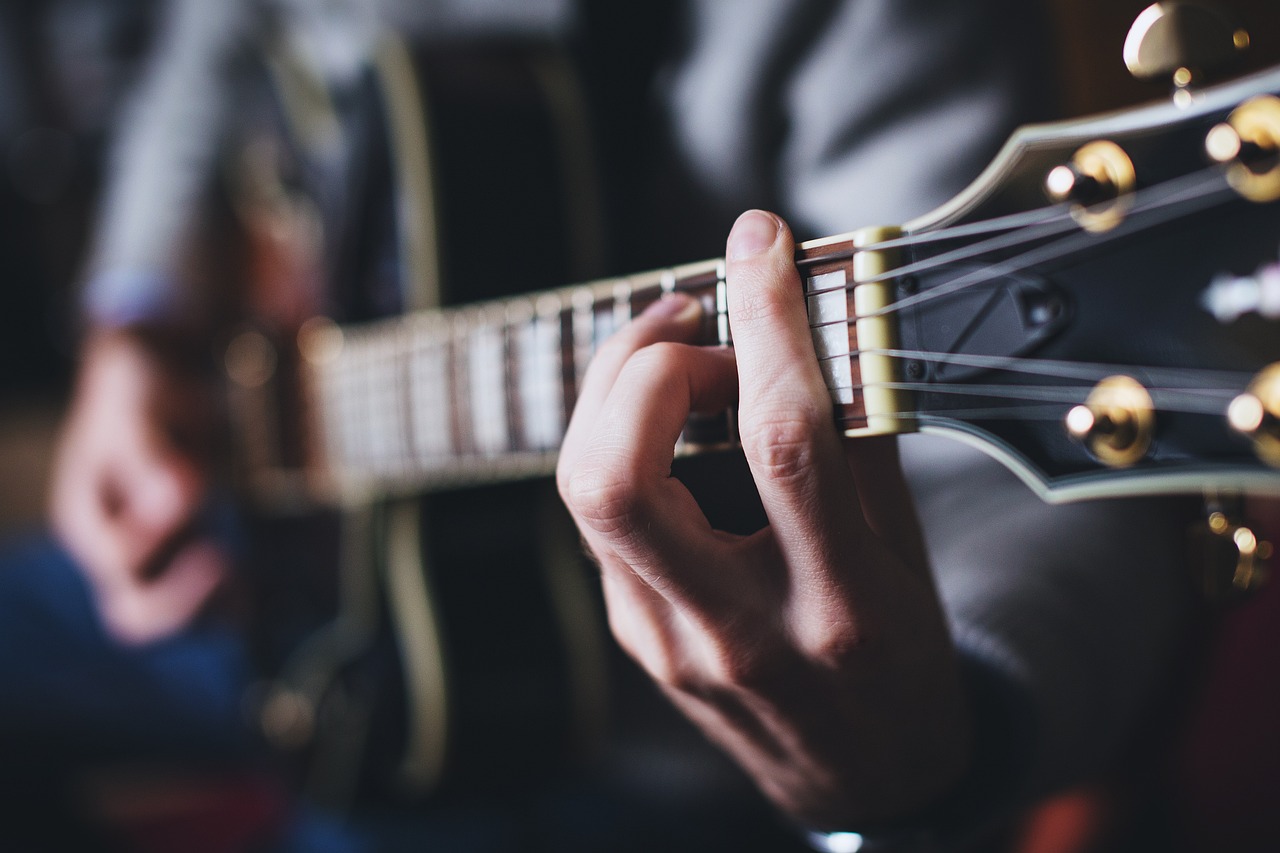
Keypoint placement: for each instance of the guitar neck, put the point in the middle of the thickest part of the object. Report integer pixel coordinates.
(1096, 350)
(481, 393)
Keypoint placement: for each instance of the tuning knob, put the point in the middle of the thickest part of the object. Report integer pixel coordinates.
(1248, 144)
(1116, 421)
(1183, 42)
(1256, 414)
(1098, 182)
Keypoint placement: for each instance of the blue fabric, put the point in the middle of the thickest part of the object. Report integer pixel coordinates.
(72, 696)
(71, 699)
(121, 297)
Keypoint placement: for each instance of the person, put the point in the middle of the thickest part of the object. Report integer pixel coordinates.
(861, 666)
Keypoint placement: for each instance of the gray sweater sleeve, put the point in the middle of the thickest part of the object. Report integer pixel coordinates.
(845, 114)
(164, 157)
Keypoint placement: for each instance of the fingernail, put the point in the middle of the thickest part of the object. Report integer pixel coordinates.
(674, 306)
(754, 232)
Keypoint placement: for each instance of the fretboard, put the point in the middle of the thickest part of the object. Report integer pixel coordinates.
(484, 392)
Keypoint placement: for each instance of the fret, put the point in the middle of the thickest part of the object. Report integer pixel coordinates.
(647, 288)
(486, 358)
(517, 324)
(536, 374)
(362, 447)
(336, 402)
(705, 282)
(829, 316)
(429, 392)
(723, 334)
(698, 277)
(582, 333)
(485, 392)
(460, 385)
(622, 312)
(383, 418)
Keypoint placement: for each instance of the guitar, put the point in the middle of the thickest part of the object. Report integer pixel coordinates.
(1115, 341)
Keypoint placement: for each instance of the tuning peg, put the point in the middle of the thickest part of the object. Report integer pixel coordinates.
(1183, 42)
(1097, 182)
(1116, 422)
(1248, 144)
(1256, 414)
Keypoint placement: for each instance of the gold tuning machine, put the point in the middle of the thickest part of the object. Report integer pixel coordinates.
(1183, 42)
(1256, 414)
(1232, 560)
(1098, 183)
(1248, 144)
(1116, 422)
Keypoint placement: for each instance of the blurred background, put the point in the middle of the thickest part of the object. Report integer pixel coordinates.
(67, 68)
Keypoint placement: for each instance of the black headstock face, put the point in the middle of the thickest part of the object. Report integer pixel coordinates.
(1029, 330)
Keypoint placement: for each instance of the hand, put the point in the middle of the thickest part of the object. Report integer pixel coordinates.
(129, 480)
(813, 651)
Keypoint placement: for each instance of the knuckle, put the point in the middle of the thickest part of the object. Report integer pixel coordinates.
(677, 674)
(753, 300)
(841, 648)
(782, 447)
(663, 358)
(601, 496)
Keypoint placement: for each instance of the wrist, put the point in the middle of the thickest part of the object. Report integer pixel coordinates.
(980, 802)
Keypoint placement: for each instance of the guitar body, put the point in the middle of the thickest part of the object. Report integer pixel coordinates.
(454, 641)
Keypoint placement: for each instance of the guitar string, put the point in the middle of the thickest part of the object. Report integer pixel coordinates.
(1138, 219)
(1042, 215)
(1181, 400)
(1000, 413)
(1062, 369)
(1007, 222)
(1052, 220)
(1174, 398)
(1152, 210)
(1042, 223)
(1009, 240)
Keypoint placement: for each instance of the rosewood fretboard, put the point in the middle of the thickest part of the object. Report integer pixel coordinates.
(484, 392)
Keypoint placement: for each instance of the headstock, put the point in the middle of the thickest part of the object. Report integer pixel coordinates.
(1099, 310)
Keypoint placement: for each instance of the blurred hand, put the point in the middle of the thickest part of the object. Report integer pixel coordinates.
(129, 481)
(814, 651)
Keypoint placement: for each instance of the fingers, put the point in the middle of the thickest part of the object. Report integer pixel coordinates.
(143, 612)
(158, 494)
(673, 318)
(620, 490)
(125, 499)
(785, 416)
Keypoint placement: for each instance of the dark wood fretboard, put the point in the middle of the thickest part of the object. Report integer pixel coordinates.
(484, 392)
